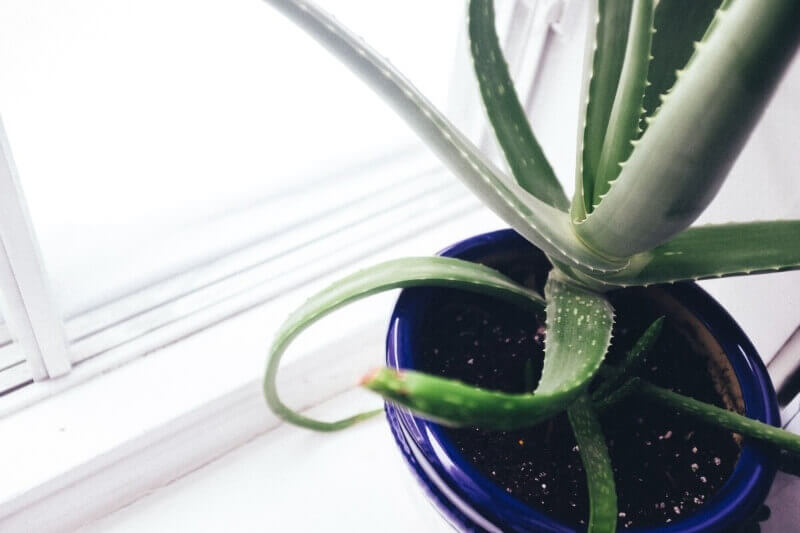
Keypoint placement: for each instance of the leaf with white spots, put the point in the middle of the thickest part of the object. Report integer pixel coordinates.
(400, 273)
(525, 157)
(579, 326)
(542, 224)
(578, 336)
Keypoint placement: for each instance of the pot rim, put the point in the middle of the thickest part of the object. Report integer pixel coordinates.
(470, 500)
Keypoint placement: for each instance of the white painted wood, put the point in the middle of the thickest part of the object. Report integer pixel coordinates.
(28, 306)
(262, 273)
(295, 481)
(165, 452)
(99, 445)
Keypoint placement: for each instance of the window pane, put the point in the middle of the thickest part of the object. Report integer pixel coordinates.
(152, 137)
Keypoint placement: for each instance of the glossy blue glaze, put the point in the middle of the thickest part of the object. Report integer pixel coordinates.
(472, 502)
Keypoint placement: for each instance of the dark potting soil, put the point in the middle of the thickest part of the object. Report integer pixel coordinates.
(666, 465)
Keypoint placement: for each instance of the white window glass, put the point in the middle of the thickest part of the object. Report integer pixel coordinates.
(166, 147)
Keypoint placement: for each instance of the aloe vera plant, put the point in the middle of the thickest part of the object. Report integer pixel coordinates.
(669, 101)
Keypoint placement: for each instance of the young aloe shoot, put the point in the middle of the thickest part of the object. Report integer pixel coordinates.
(669, 101)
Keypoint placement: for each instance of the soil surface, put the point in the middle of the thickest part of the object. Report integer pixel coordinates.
(666, 465)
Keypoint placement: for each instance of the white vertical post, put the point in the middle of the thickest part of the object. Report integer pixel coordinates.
(27, 303)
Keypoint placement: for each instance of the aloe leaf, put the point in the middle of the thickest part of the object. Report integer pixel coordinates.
(400, 273)
(578, 335)
(617, 374)
(714, 251)
(579, 324)
(627, 388)
(682, 159)
(679, 24)
(603, 67)
(453, 403)
(623, 122)
(596, 464)
(723, 418)
(545, 226)
(525, 157)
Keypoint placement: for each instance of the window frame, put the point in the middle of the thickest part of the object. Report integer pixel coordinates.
(27, 302)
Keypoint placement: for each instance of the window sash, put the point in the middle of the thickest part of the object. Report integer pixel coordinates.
(26, 300)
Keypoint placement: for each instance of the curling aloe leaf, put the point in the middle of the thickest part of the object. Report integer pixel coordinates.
(524, 155)
(578, 335)
(717, 250)
(400, 273)
(597, 465)
(545, 226)
(682, 159)
(679, 24)
(623, 122)
(603, 67)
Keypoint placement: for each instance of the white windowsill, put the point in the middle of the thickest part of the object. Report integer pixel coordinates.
(104, 443)
(293, 480)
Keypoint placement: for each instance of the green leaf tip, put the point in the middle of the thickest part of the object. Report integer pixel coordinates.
(569, 366)
(399, 273)
(454, 403)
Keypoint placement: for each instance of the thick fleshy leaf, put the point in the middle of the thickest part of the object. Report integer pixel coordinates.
(679, 24)
(525, 157)
(400, 273)
(715, 251)
(711, 414)
(545, 226)
(623, 123)
(454, 403)
(579, 326)
(608, 23)
(578, 335)
(682, 159)
(597, 465)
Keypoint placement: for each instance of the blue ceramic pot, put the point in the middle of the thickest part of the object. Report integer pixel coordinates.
(472, 502)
